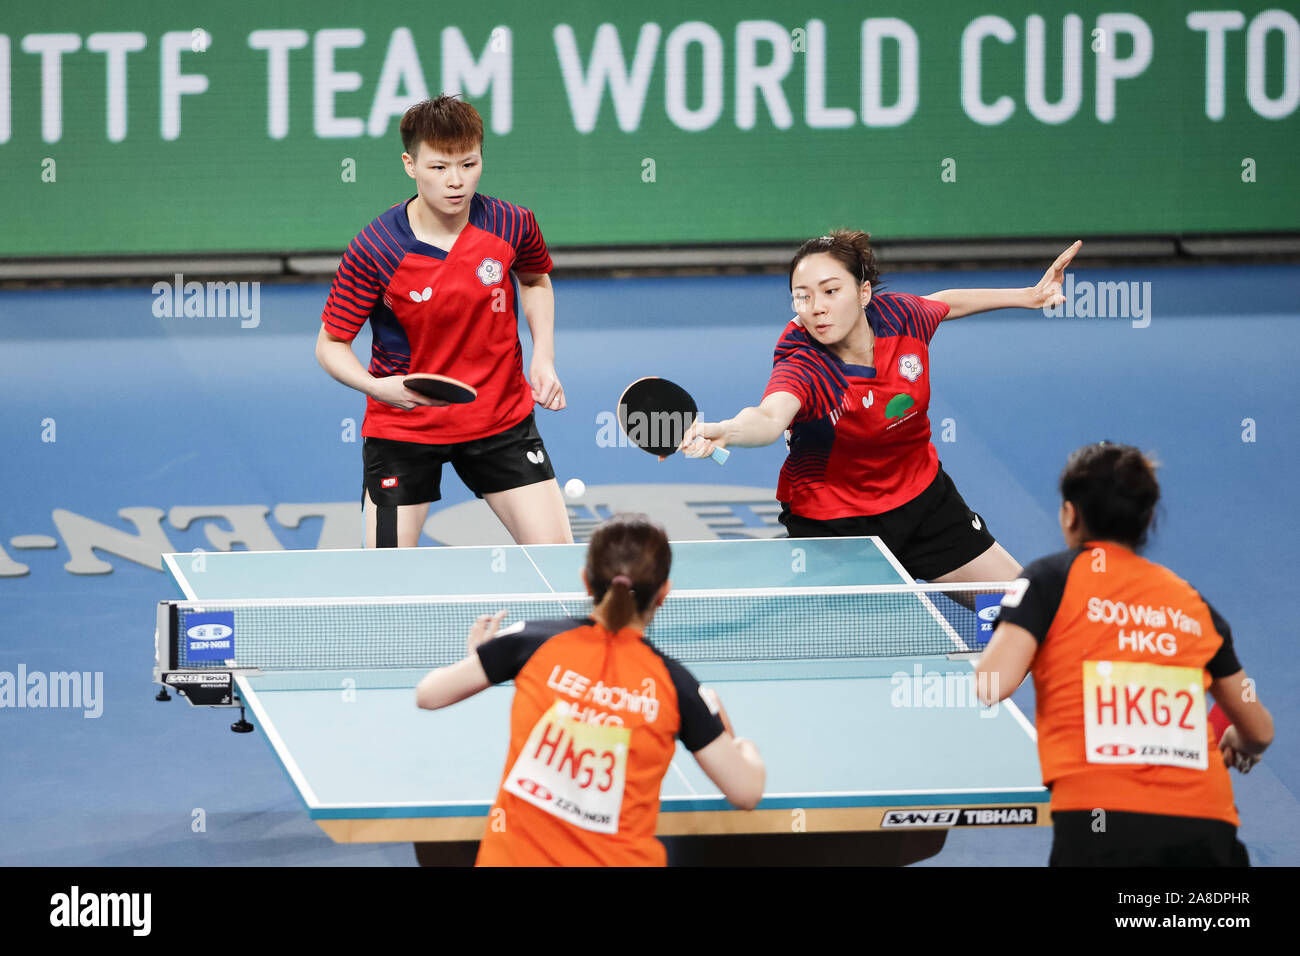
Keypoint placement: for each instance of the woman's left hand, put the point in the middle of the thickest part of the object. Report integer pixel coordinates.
(1048, 293)
(484, 629)
(547, 390)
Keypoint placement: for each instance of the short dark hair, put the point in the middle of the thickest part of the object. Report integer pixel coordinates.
(850, 247)
(445, 123)
(1115, 490)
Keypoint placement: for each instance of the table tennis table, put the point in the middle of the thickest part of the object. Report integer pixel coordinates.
(850, 742)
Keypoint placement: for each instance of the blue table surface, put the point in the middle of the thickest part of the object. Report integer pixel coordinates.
(387, 572)
(828, 741)
(832, 733)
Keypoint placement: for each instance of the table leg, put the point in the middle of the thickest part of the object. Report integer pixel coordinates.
(762, 849)
(805, 849)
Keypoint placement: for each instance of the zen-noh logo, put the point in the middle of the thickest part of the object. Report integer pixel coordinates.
(209, 632)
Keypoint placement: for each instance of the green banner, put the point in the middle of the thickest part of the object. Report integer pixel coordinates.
(132, 127)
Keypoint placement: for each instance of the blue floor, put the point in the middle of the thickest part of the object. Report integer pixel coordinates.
(125, 434)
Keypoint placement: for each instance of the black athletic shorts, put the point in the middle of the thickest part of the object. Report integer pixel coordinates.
(410, 473)
(932, 534)
(1120, 838)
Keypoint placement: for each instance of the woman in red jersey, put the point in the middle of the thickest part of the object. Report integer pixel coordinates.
(432, 276)
(851, 384)
(1122, 651)
(596, 715)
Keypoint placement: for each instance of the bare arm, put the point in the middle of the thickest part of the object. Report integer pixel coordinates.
(537, 298)
(1045, 294)
(1252, 725)
(1005, 662)
(335, 356)
(971, 301)
(752, 427)
(734, 765)
(450, 685)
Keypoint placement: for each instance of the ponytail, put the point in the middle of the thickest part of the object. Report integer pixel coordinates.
(628, 560)
(619, 604)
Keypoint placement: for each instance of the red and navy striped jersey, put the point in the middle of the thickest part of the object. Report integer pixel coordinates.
(450, 313)
(860, 443)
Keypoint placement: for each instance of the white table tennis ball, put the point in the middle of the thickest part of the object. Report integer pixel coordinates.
(574, 488)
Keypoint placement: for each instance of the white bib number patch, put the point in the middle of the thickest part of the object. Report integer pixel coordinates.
(1144, 714)
(573, 770)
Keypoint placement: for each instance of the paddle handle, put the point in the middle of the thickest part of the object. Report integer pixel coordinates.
(720, 455)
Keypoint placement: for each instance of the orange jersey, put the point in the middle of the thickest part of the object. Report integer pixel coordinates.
(1127, 650)
(593, 728)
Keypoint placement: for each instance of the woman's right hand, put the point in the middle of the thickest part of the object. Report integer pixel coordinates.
(391, 390)
(702, 438)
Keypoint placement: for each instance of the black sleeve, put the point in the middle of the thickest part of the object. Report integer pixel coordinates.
(701, 724)
(1040, 594)
(505, 655)
(1224, 663)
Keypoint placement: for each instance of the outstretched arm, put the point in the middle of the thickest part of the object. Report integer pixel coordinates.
(1045, 294)
(445, 686)
(450, 685)
(751, 428)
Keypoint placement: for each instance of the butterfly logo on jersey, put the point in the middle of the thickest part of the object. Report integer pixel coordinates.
(869, 399)
(536, 457)
(489, 272)
(421, 296)
(909, 366)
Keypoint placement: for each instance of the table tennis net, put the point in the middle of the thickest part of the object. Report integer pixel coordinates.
(692, 626)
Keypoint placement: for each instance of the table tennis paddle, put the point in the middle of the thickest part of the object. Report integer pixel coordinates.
(1219, 722)
(441, 387)
(655, 414)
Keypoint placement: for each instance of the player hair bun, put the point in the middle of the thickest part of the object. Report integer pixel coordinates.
(850, 247)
